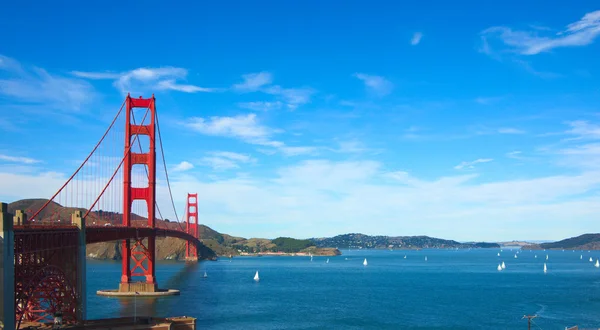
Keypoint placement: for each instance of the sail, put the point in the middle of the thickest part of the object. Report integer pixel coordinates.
(546, 257)
(425, 258)
(256, 278)
(515, 256)
(205, 275)
(327, 261)
(498, 254)
(503, 265)
(597, 263)
(365, 262)
(499, 267)
(545, 268)
(591, 260)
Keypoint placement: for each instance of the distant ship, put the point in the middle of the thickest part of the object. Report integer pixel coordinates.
(365, 262)
(256, 278)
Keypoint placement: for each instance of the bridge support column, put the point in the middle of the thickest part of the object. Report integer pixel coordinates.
(7, 269)
(81, 310)
(191, 226)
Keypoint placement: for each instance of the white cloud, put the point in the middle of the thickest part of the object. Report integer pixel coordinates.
(293, 96)
(183, 166)
(487, 100)
(582, 129)
(36, 85)
(514, 154)
(471, 164)
(225, 160)
(170, 84)
(142, 79)
(17, 159)
(580, 33)
(510, 130)
(246, 128)
(262, 82)
(376, 84)
(416, 38)
(254, 81)
(297, 151)
(261, 106)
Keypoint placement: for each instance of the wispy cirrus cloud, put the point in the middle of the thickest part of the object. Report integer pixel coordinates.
(510, 130)
(141, 79)
(416, 38)
(30, 84)
(532, 42)
(262, 82)
(183, 166)
(376, 84)
(226, 160)
(471, 164)
(261, 106)
(246, 128)
(252, 82)
(18, 159)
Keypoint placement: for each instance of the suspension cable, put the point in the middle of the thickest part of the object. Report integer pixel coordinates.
(120, 164)
(84, 162)
(166, 172)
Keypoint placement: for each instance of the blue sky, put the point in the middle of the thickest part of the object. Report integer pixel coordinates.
(463, 121)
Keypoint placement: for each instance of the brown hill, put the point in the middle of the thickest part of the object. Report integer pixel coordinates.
(582, 242)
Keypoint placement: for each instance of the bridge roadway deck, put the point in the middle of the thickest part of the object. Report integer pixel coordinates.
(97, 234)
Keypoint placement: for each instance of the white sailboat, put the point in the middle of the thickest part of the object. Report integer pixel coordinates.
(425, 258)
(499, 267)
(535, 256)
(365, 262)
(591, 260)
(205, 275)
(515, 256)
(256, 278)
(597, 264)
(545, 268)
(498, 254)
(405, 256)
(327, 261)
(503, 265)
(546, 257)
(311, 257)
(581, 257)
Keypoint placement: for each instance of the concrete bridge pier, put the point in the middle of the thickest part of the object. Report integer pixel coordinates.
(78, 221)
(7, 269)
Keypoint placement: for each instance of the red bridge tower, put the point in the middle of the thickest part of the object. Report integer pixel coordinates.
(191, 226)
(142, 254)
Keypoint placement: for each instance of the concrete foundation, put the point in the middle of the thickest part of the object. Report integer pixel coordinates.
(157, 293)
(138, 287)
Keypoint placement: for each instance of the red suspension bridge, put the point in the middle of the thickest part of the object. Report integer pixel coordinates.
(111, 196)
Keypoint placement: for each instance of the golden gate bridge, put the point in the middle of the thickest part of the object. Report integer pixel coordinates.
(112, 195)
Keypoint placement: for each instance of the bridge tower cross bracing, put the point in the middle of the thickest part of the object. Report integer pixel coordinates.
(142, 255)
(191, 226)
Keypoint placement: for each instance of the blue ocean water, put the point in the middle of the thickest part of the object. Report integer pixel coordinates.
(453, 289)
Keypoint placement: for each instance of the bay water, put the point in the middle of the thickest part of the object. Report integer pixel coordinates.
(453, 289)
